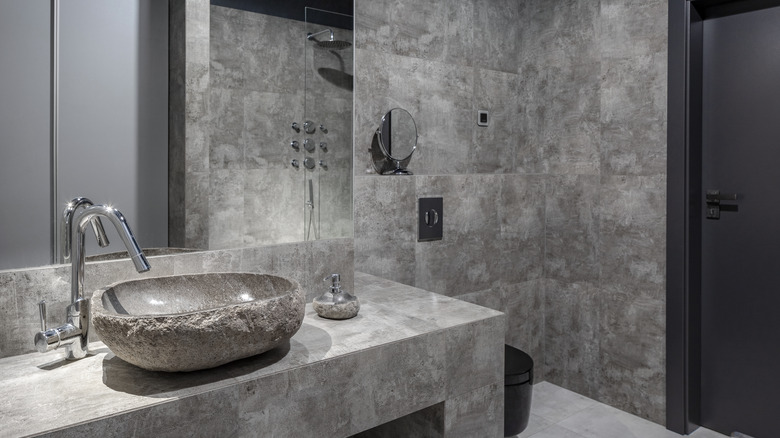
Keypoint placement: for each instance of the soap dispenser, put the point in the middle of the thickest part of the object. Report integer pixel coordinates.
(335, 303)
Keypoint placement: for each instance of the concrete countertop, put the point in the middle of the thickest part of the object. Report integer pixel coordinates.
(43, 392)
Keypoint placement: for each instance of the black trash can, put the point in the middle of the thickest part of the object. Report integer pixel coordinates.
(518, 381)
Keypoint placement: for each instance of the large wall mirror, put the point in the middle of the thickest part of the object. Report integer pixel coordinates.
(84, 112)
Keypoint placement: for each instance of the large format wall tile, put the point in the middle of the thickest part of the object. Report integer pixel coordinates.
(385, 227)
(438, 31)
(525, 322)
(630, 28)
(632, 228)
(571, 232)
(494, 147)
(571, 346)
(632, 353)
(461, 261)
(633, 115)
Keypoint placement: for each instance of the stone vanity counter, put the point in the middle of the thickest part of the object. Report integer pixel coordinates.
(407, 350)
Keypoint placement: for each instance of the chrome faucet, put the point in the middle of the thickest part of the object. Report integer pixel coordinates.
(67, 227)
(74, 334)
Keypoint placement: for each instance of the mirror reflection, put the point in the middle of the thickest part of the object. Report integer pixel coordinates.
(264, 75)
(394, 142)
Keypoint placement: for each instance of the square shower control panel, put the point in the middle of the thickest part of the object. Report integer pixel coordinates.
(430, 219)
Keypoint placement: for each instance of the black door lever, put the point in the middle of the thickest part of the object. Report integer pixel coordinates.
(714, 206)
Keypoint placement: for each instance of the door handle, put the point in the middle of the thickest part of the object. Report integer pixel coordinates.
(714, 207)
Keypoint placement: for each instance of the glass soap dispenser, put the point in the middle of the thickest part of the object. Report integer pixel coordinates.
(335, 303)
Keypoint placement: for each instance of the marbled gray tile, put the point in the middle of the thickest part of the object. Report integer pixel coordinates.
(371, 384)
(632, 231)
(474, 356)
(275, 214)
(564, 32)
(571, 349)
(440, 31)
(255, 51)
(521, 228)
(497, 36)
(100, 274)
(266, 132)
(570, 130)
(50, 284)
(208, 261)
(196, 210)
(571, 228)
(633, 28)
(196, 80)
(632, 353)
(335, 200)
(285, 260)
(633, 115)
(372, 101)
(462, 261)
(525, 321)
(226, 145)
(210, 414)
(494, 146)
(385, 227)
(226, 208)
(554, 403)
(601, 421)
(477, 413)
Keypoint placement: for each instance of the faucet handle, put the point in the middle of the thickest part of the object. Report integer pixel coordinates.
(42, 313)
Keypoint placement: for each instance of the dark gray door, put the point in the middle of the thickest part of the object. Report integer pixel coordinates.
(741, 251)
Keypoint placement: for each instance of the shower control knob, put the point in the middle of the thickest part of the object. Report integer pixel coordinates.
(308, 144)
(324, 146)
(295, 127)
(323, 129)
(309, 163)
(323, 164)
(295, 164)
(308, 127)
(295, 145)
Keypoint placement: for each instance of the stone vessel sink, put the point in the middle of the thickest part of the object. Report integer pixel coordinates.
(194, 322)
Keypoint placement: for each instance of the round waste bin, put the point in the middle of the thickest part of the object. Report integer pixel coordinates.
(518, 380)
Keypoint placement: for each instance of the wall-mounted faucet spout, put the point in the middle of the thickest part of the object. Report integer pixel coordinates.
(74, 334)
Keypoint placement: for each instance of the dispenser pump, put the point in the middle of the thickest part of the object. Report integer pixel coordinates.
(335, 303)
(336, 285)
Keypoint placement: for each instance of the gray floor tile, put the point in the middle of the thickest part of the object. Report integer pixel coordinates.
(559, 413)
(555, 404)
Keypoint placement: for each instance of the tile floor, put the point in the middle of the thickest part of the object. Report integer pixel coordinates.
(559, 413)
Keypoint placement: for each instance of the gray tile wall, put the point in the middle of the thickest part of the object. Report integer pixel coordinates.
(444, 61)
(555, 213)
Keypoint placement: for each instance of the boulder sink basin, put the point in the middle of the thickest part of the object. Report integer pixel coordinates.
(199, 321)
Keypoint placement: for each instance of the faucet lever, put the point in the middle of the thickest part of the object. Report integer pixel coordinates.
(42, 313)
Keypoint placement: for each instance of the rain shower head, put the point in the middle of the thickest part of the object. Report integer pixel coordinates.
(329, 44)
